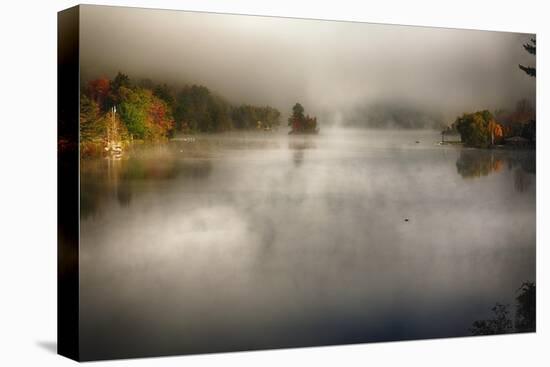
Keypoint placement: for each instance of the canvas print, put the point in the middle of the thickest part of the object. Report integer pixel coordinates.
(234, 182)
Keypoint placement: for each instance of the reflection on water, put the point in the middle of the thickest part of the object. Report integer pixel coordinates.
(262, 240)
(473, 163)
(103, 178)
(299, 144)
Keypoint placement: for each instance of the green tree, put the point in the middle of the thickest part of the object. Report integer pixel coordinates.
(532, 49)
(247, 116)
(526, 315)
(273, 116)
(145, 115)
(218, 115)
(529, 130)
(121, 80)
(475, 128)
(191, 107)
(92, 124)
(300, 123)
(165, 93)
(133, 112)
(197, 109)
(499, 324)
(298, 111)
(119, 84)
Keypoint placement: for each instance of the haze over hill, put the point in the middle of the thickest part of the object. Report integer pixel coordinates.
(335, 69)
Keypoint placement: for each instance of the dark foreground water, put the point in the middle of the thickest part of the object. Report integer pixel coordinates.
(262, 240)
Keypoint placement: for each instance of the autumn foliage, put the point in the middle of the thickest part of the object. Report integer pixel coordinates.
(479, 129)
(98, 90)
(128, 110)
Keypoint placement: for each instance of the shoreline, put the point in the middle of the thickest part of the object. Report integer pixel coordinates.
(96, 148)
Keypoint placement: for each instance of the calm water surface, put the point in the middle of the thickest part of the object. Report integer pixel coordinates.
(260, 240)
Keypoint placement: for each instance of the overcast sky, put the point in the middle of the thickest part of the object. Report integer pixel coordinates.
(328, 66)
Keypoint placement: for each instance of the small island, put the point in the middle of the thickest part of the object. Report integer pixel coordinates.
(503, 128)
(300, 123)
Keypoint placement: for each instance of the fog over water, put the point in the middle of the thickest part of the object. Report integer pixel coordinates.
(330, 67)
(260, 240)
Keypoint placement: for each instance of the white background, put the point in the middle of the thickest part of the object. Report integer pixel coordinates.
(28, 183)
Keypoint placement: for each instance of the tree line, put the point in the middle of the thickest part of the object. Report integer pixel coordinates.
(483, 129)
(144, 110)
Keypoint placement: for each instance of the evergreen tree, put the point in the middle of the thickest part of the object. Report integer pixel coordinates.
(532, 49)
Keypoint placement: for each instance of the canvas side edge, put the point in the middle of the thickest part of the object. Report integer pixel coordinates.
(68, 215)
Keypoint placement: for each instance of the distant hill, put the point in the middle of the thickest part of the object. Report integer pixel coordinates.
(394, 116)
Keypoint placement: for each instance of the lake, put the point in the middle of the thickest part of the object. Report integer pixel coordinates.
(258, 240)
